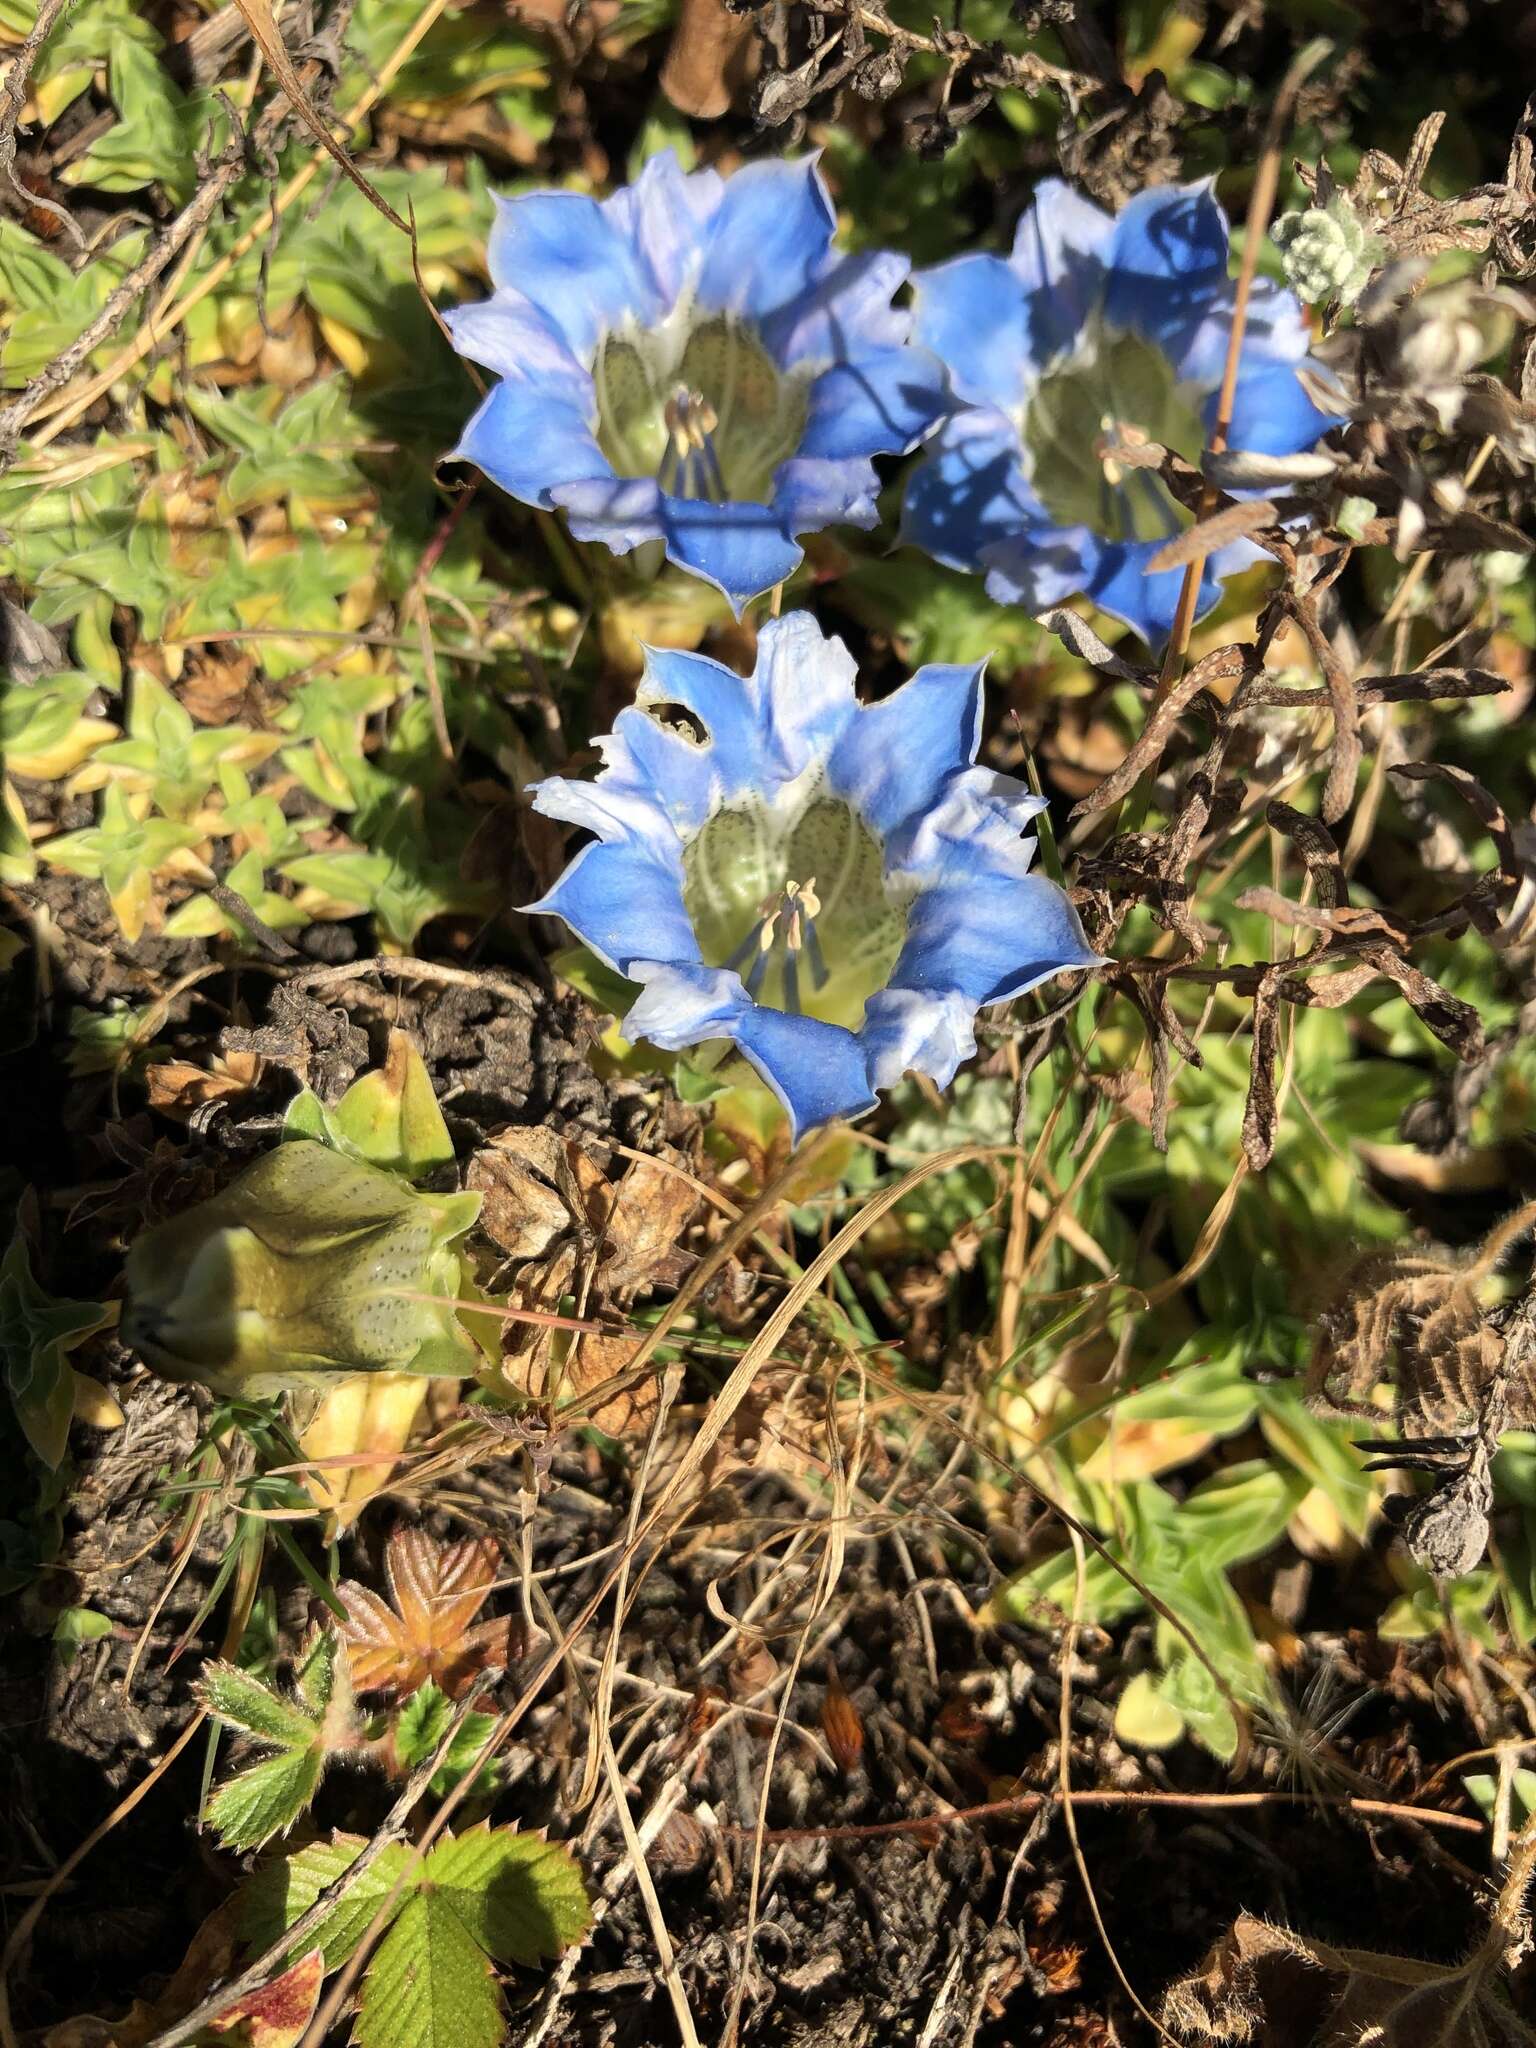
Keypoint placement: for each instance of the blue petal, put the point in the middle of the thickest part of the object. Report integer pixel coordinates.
(527, 442)
(969, 491)
(624, 901)
(1147, 603)
(989, 936)
(1276, 331)
(767, 729)
(1271, 413)
(1060, 256)
(895, 757)
(683, 1002)
(1168, 261)
(923, 1029)
(803, 688)
(735, 747)
(1039, 566)
(509, 336)
(644, 755)
(666, 215)
(770, 239)
(742, 549)
(623, 512)
(847, 310)
(880, 403)
(971, 313)
(818, 1071)
(571, 258)
(810, 494)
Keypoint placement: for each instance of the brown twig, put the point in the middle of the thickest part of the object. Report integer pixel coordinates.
(1031, 1802)
(49, 14)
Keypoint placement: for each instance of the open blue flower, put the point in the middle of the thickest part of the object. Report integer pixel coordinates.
(1095, 337)
(691, 363)
(836, 887)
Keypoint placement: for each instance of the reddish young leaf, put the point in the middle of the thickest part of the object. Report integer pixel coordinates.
(436, 1590)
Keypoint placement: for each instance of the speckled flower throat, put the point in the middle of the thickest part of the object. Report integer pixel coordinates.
(1085, 428)
(699, 405)
(797, 904)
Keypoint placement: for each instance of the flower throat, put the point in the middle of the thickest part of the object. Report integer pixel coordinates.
(702, 408)
(798, 906)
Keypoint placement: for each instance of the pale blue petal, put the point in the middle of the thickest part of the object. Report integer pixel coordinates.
(506, 334)
(969, 491)
(682, 1002)
(803, 689)
(847, 310)
(650, 758)
(971, 313)
(624, 901)
(1276, 331)
(742, 549)
(894, 758)
(1167, 261)
(770, 239)
(818, 1071)
(926, 1030)
(666, 215)
(735, 748)
(880, 403)
(568, 256)
(526, 441)
(1060, 256)
(972, 823)
(1039, 565)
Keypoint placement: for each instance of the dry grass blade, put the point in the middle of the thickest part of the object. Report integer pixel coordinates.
(258, 16)
(1232, 522)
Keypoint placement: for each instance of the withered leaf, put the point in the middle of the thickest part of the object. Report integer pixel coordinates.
(437, 1590)
(1267, 1987)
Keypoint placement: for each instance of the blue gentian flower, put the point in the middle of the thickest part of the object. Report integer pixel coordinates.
(1095, 337)
(691, 363)
(835, 887)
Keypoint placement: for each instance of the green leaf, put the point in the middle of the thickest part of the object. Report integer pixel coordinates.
(523, 1899)
(388, 1118)
(251, 1707)
(285, 1889)
(36, 1332)
(430, 1985)
(420, 1726)
(320, 1718)
(267, 1799)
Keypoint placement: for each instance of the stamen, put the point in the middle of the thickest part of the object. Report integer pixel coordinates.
(690, 456)
(786, 922)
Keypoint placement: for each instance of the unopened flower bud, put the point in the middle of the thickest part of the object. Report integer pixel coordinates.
(1327, 251)
(306, 1265)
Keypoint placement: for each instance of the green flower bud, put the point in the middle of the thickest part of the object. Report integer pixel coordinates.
(308, 1264)
(1327, 251)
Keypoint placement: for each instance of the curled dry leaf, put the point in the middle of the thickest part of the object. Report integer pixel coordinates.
(709, 59)
(624, 1411)
(1267, 1987)
(436, 1590)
